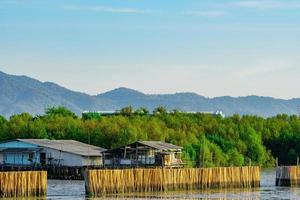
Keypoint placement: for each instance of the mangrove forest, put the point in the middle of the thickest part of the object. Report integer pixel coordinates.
(208, 140)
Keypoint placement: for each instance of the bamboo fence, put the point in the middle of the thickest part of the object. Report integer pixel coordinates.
(23, 183)
(99, 182)
(288, 176)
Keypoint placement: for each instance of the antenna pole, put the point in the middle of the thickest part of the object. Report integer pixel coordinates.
(89, 141)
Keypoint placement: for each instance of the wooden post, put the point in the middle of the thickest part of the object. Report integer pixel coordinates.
(287, 176)
(136, 154)
(85, 175)
(103, 160)
(125, 152)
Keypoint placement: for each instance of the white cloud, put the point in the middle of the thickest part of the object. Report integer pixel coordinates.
(205, 13)
(268, 4)
(108, 9)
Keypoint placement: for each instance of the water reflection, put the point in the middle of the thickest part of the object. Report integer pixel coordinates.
(74, 190)
(26, 198)
(203, 194)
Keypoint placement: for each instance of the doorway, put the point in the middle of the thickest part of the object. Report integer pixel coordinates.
(43, 158)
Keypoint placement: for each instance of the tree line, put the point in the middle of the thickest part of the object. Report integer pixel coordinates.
(208, 140)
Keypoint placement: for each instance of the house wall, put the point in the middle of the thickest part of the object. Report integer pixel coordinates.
(18, 157)
(62, 158)
(21, 157)
(97, 160)
(69, 159)
(170, 159)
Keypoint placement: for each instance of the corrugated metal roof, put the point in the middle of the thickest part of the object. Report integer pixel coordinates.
(160, 145)
(70, 146)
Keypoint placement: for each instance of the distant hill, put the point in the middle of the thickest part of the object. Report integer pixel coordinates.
(24, 94)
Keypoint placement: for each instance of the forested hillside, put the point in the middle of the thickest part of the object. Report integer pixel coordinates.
(207, 140)
(23, 94)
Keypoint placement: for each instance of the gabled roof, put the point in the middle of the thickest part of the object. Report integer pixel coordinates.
(70, 146)
(159, 145)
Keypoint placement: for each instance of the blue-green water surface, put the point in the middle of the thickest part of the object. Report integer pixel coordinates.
(75, 190)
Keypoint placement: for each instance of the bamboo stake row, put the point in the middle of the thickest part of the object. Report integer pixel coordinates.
(288, 176)
(99, 182)
(23, 184)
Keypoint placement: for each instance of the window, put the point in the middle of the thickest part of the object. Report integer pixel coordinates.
(31, 157)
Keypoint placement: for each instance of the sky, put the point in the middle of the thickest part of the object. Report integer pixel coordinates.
(211, 47)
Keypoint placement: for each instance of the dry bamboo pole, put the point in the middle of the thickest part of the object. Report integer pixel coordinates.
(288, 176)
(23, 184)
(165, 179)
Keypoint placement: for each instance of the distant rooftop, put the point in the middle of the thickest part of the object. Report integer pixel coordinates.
(70, 146)
(101, 111)
(160, 145)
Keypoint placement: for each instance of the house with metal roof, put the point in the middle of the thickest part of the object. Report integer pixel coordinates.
(42, 152)
(144, 154)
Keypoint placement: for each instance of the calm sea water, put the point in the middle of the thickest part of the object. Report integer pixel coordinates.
(75, 190)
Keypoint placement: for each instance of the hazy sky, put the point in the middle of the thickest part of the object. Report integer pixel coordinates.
(210, 47)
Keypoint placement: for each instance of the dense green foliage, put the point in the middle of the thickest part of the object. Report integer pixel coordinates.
(207, 140)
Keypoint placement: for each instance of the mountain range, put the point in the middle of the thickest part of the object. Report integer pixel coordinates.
(24, 94)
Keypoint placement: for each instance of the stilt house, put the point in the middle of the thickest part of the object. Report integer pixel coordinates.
(144, 154)
(42, 152)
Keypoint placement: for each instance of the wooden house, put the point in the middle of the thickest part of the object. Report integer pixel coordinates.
(144, 154)
(42, 152)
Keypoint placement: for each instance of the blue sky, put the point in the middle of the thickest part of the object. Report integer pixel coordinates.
(213, 48)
